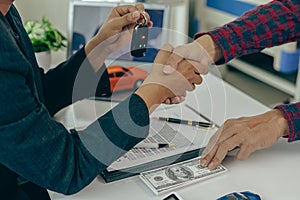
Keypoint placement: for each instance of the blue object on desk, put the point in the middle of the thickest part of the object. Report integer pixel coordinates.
(240, 196)
(289, 61)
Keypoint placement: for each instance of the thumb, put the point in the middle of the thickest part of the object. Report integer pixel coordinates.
(125, 20)
(164, 54)
(189, 51)
(173, 61)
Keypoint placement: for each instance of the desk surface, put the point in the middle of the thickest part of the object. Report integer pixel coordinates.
(266, 172)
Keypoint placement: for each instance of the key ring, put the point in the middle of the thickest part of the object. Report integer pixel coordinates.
(140, 21)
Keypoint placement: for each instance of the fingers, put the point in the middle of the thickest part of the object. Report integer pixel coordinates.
(130, 14)
(211, 144)
(177, 99)
(127, 19)
(140, 6)
(247, 133)
(241, 132)
(177, 83)
(227, 130)
(197, 79)
(167, 101)
(216, 154)
(174, 100)
(125, 9)
(200, 66)
(194, 53)
(216, 147)
(188, 71)
(174, 60)
(245, 151)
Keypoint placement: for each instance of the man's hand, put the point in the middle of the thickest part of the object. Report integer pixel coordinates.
(165, 86)
(200, 53)
(194, 53)
(247, 133)
(116, 32)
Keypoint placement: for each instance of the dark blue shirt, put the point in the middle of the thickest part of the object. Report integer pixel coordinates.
(35, 146)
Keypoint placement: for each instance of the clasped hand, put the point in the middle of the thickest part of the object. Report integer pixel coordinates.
(192, 53)
(167, 86)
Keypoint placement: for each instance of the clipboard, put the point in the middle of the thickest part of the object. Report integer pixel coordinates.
(136, 170)
(114, 175)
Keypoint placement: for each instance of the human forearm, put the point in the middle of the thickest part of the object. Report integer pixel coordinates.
(153, 95)
(268, 25)
(97, 53)
(63, 84)
(212, 49)
(65, 162)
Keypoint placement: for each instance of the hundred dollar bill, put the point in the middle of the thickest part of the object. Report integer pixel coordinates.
(178, 175)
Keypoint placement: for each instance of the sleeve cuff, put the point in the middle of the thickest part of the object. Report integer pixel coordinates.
(291, 113)
(120, 129)
(216, 40)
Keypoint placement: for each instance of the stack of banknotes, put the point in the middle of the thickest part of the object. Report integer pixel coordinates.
(171, 177)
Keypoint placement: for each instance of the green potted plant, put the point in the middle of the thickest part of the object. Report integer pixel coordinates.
(44, 38)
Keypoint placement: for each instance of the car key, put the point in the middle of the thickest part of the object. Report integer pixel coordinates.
(139, 39)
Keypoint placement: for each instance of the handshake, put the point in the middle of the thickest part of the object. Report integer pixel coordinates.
(175, 71)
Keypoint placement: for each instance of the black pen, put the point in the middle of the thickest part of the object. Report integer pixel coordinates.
(201, 115)
(154, 145)
(187, 122)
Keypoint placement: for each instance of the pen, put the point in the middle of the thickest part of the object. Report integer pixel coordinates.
(154, 145)
(187, 122)
(201, 115)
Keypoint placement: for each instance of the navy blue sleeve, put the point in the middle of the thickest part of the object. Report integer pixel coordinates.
(73, 80)
(42, 150)
(38, 148)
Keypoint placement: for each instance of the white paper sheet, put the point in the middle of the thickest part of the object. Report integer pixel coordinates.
(185, 138)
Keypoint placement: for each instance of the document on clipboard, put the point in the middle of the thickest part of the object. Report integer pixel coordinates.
(189, 141)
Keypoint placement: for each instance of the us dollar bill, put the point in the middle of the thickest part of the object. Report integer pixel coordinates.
(178, 175)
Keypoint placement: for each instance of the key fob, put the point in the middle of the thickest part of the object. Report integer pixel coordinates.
(139, 40)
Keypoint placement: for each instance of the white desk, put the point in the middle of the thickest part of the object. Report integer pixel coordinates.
(273, 173)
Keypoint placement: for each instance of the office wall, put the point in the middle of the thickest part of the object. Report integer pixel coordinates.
(55, 10)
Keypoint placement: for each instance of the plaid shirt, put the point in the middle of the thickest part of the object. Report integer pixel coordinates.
(268, 25)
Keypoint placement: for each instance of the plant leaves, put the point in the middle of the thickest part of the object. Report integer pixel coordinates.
(44, 36)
